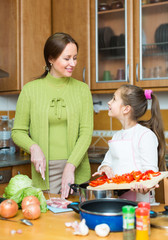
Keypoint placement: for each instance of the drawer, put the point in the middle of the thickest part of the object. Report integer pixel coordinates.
(5, 175)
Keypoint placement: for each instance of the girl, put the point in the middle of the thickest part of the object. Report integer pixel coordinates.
(140, 145)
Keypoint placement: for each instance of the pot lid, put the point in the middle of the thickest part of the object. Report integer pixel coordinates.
(160, 220)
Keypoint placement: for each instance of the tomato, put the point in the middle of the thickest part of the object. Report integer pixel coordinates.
(29, 200)
(8, 208)
(31, 211)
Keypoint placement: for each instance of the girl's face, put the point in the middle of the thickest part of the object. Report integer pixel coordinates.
(116, 105)
(65, 64)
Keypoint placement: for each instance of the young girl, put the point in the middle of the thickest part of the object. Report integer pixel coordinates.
(140, 145)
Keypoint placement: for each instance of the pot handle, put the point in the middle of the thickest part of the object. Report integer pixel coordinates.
(74, 206)
(75, 187)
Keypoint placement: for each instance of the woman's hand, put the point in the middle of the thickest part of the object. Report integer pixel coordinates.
(105, 169)
(139, 188)
(67, 179)
(38, 159)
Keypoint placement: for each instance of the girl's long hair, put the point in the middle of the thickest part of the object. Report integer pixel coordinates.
(135, 97)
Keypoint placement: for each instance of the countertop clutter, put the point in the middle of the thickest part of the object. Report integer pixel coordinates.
(7, 160)
(52, 226)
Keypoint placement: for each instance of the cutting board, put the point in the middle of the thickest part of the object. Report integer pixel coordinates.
(147, 183)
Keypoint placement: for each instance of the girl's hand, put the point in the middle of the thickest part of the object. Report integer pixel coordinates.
(139, 188)
(67, 179)
(105, 169)
(38, 159)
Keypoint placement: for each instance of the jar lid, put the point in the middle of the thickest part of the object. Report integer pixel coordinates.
(144, 204)
(128, 209)
(141, 211)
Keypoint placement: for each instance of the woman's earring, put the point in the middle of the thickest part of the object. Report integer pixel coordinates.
(51, 64)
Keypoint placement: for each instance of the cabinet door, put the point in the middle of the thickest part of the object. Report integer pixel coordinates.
(112, 36)
(73, 17)
(24, 27)
(9, 55)
(35, 28)
(22, 169)
(151, 43)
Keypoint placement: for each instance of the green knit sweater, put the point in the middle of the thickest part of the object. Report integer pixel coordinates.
(31, 124)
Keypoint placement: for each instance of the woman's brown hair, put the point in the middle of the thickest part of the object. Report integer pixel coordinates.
(54, 46)
(135, 97)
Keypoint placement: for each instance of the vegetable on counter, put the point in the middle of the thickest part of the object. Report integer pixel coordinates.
(8, 208)
(31, 211)
(20, 186)
(31, 207)
(29, 200)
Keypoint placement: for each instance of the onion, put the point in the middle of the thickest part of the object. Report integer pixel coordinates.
(8, 208)
(32, 211)
(29, 200)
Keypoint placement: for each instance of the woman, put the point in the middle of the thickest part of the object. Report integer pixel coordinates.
(54, 120)
(140, 145)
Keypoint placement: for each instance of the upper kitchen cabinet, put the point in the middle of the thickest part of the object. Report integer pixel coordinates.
(151, 44)
(73, 17)
(112, 44)
(24, 28)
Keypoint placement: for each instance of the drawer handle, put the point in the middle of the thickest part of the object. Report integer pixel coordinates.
(1, 178)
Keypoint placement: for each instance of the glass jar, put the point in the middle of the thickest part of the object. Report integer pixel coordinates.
(128, 222)
(5, 133)
(142, 221)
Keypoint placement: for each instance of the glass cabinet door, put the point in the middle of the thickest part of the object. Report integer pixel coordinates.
(112, 68)
(153, 43)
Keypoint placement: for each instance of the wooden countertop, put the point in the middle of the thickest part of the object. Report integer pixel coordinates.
(51, 226)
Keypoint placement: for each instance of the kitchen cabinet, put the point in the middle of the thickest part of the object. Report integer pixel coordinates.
(113, 37)
(7, 172)
(73, 17)
(151, 44)
(24, 28)
(129, 45)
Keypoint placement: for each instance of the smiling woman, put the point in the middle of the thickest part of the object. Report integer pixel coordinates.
(54, 120)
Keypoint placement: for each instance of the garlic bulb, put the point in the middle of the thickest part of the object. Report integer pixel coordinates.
(82, 228)
(102, 230)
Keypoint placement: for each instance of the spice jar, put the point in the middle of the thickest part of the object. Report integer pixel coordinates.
(128, 222)
(142, 221)
(146, 205)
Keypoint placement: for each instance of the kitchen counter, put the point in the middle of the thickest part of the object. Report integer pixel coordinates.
(7, 160)
(19, 159)
(52, 226)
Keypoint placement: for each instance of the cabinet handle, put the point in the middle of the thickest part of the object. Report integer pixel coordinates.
(84, 70)
(128, 73)
(1, 178)
(137, 72)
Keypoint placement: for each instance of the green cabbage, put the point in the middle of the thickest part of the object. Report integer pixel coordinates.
(20, 186)
(16, 183)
